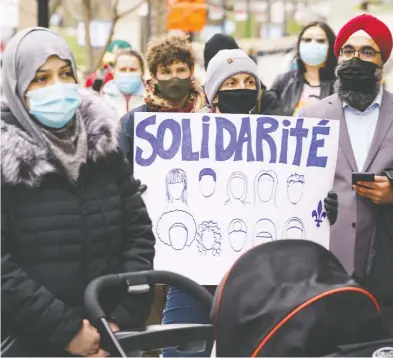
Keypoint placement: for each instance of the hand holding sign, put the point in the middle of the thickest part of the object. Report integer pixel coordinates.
(221, 184)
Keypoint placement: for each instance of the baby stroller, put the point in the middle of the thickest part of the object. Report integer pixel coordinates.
(284, 298)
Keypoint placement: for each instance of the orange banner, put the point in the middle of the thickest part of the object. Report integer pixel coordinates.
(187, 15)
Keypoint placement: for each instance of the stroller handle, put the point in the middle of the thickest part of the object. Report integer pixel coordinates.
(140, 282)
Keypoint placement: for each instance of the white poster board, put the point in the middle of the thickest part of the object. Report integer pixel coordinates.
(219, 184)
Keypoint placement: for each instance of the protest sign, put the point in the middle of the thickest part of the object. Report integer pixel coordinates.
(219, 184)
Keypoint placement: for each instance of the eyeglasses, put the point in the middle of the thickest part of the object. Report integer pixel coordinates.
(365, 53)
(309, 39)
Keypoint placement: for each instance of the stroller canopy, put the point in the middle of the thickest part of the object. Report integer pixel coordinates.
(291, 298)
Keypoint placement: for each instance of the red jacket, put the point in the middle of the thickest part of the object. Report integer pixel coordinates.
(92, 77)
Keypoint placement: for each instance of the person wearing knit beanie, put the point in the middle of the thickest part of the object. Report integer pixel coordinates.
(217, 43)
(232, 83)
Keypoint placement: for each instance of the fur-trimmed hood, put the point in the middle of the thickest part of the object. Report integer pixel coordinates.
(24, 161)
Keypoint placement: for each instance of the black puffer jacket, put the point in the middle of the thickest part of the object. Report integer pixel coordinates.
(57, 236)
(289, 87)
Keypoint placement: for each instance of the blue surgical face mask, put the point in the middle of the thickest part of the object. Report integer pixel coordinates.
(54, 106)
(313, 53)
(128, 82)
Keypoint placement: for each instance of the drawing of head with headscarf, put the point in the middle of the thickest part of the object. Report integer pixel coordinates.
(209, 238)
(237, 234)
(265, 231)
(176, 186)
(176, 229)
(265, 186)
(294, 229)
(237, 188)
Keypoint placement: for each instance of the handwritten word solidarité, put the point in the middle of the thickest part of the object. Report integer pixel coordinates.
(181, 135)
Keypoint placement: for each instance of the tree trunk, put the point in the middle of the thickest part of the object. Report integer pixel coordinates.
(159, 13)
(86, 9)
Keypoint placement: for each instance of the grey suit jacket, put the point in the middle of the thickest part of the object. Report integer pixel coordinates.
(352, 234)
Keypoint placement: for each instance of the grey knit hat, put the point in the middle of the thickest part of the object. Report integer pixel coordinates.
(224, 65)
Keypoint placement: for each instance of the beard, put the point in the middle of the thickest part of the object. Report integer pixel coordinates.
(358, 99)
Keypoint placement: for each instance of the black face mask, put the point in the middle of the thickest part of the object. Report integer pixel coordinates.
(174, 89)
(240, 101)
(357, 75)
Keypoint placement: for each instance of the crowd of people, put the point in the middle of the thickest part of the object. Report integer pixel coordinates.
(72, 210)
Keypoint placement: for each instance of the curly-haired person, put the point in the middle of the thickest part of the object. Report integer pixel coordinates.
(171, 88)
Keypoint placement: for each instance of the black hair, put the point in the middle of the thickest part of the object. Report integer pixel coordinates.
(327, 72)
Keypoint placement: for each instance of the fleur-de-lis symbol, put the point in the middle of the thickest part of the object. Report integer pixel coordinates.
(319, 215)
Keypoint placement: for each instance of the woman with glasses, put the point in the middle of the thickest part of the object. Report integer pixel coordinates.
(314, 77)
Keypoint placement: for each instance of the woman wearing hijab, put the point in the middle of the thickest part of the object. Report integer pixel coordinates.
(313, 77)
(70, 209)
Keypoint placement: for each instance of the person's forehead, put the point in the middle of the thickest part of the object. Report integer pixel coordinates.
(361, 41)
(175, 64)
(241, 76)
(314, 32)
(54, 62)
(127, 60)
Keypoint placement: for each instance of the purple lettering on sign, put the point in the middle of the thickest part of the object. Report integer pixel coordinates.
(223, 154)
(263, 135)
(299, 132)
(205, 137)
(143, 134)
(174, 127)
(284, 142)
(313, 160)
(172, 137)
(188, 154)
(244, 137)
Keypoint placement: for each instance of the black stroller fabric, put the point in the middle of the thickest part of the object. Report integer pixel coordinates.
(291, 298)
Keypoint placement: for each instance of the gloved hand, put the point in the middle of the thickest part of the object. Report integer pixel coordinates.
(331, 206)
(141, 187)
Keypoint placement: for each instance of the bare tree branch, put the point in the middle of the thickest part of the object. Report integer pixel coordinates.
(86, 9)
(54, 5)
(109, 39)
(73, 13)
(115, 17)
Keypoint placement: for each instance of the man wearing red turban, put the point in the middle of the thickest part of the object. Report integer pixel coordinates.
(362, 237)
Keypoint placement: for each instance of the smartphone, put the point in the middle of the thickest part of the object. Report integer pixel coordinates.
(362, 177)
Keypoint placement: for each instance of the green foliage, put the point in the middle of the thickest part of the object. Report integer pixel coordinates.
(293, 28)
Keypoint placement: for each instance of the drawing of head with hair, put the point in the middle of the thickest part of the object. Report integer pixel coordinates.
(237, 188)
(295, 186)
(209, 238)
(265, 186)
(207, 182)
(176, 186)
(176, 229)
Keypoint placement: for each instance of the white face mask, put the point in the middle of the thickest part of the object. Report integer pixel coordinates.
(54, 106)
(313, 53)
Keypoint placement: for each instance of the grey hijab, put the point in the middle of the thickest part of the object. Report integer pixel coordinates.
(26, 52)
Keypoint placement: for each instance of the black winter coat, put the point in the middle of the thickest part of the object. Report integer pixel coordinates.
(380, 276)
(289, 87)
(58, 236)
